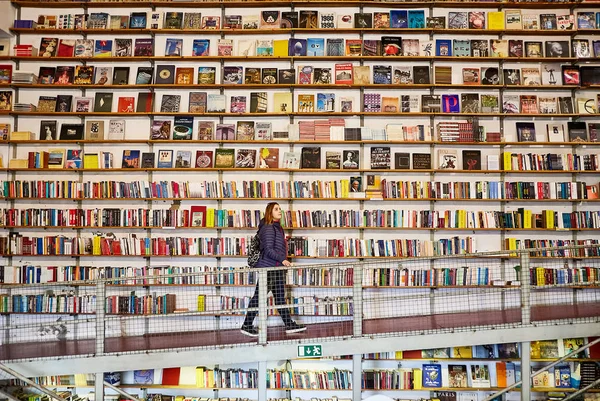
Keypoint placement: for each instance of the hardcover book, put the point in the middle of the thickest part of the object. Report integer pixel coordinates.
(165, 158)
(160, 130)
(380, 158)
(311, 158)
(245, 158)
(224, 158)
(204, 158)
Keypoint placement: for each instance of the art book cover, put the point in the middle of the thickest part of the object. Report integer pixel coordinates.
(131, 159)
(269, 158)
(183, 159)
(432, 375)
(457, 376)
(245, 131)
(165, 158)
(245, 158)
(480, 375)
(471, 160)
(103, 48)
(160, 130)
(183, 128)
(204, 158)
(237, 104)
(206, 130)
(380, 158)
(201, 47)
(447, 159)
(263, 131)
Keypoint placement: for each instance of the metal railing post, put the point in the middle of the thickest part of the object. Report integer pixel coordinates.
(100, 315)
(357, 298)
(525, 288)
(262, 306)
(118, 390)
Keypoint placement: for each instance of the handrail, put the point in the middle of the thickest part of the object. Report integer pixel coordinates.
(581, 390)
(545, 368)
(118, 390)
(10, 397)
(44, 390)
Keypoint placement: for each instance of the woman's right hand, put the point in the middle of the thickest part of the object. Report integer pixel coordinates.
(286, 263)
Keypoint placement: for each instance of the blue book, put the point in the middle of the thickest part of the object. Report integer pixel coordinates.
(174, 47)
(432, 375)
(443, 47)
(297, 47)
(201, 47)
(315, 47)
(450, 104)
(416, 19)
(103, 48)
(398, 19)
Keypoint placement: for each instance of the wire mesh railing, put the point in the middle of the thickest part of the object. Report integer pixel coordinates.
(138, 309)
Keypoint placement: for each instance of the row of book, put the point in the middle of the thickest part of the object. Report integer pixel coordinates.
(132, 245)
(283, 104)
(340, 74)
(588, 247)
(309, 305)
(351, 218)
(391, 46)
(545, 276)
(129, 275)
(312, 19)
(391, 189)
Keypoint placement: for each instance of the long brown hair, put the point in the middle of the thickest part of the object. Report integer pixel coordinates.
(269, 212)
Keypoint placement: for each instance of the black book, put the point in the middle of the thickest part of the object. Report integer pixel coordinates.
(309, 19)
(380, 158)
(558, 48)
(311, 157)
(402, 161)
(577, 131)
(145, 102)
(363, 20)
(64, 103)
(48, 130)
(70, 132)
(148, 160)
(287, 76)
(421, 161)
(471, 159)
(289, 19)
(165, 74)
(121, 76)
(103, 102)
(391, 45)
(269, 75)
(421, 74)
(46, 75)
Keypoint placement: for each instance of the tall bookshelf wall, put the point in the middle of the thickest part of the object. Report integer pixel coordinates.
(138, 128)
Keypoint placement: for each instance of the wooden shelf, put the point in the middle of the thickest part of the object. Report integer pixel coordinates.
(300, 59)
(306, 199)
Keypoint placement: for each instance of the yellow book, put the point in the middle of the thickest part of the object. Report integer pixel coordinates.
(18, 163)
(462, 352)
(344, 186)
(280, 48)
(201, 303)
(200, 376)
(398, 354)
(282, 102)
(90, 160)
(180, 398)
(507, 159)
(527, 219)
(96, 246)
(496, 20)
(211, 379)
(417, 379)
(210, 217)
(56, 158)
(187, 376)
(21, 136)
(80, 380)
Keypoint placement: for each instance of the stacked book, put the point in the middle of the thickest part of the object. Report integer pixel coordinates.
(25, 50)
(27, 107)
(322, 129)
(307, 130)
(23, 77)
(454, 131)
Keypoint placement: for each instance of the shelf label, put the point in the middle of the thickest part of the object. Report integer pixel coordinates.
(310, 351)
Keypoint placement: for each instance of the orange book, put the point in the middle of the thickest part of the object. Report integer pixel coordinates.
(184, 76)
(126, 105)
(501, 373)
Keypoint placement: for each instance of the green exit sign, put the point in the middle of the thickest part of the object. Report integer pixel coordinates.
(310, 351)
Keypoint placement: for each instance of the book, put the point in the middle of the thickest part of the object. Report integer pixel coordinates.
(160, 130)
(447, 159)
(432, 375)
(204, 159)
(380, 158)
(269, 158)
(245, 158)
(183, 128)
(116, 129)
(471, 160)
(120, 76)
(526, 132)
(48, 130)
(556, 132)
(148, 160)
(94, 130)
(457, 376)
(224, 158)
(310, 157)
(183, 159)
(165, 158)
(71, 132)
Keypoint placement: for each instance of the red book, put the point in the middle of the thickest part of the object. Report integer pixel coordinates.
(170, 377)
(198, 216)
(66, 48)
(126, 105)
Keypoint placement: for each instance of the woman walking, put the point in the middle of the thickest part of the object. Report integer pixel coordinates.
(273, 252)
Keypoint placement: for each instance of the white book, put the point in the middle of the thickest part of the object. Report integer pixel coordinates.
(493, 162)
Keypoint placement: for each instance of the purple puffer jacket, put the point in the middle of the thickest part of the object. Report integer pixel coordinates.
(273, 248)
